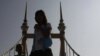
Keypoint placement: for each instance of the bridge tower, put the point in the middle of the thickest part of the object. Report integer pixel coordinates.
(61, 28)
(24, 28)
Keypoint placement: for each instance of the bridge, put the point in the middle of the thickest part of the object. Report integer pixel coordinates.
(65, 48)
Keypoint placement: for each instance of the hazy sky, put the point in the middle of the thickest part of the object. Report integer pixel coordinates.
(81, 18)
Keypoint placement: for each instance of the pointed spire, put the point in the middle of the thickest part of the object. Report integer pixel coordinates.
(24, 25)
(61, 26)
(61, 17)
(25, 17)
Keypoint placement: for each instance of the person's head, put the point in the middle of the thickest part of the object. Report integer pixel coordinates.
(19, 48)
(40, 17)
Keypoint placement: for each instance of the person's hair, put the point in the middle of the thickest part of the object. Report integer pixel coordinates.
(40, 12)
(19, 48)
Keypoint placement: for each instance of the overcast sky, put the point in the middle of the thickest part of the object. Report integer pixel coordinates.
(81, 17)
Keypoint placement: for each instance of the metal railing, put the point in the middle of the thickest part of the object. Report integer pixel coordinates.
(69, 50)
(12, 50)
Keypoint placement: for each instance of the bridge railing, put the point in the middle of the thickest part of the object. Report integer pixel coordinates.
(69, 50)
(12, 50)
(9, 52)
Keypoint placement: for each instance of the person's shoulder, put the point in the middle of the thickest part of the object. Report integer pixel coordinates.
(36, 25)
(48, 24)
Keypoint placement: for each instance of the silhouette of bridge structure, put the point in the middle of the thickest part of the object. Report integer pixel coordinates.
(65, 48)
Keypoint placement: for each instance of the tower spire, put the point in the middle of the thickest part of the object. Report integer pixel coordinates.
(25, 17)
(61, 26)
(24, 25)
(61, 17)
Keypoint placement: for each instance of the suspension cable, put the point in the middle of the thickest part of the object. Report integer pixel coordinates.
(11, 48)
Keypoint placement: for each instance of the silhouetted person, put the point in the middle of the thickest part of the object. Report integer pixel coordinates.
(42, 40)
(19, 50)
